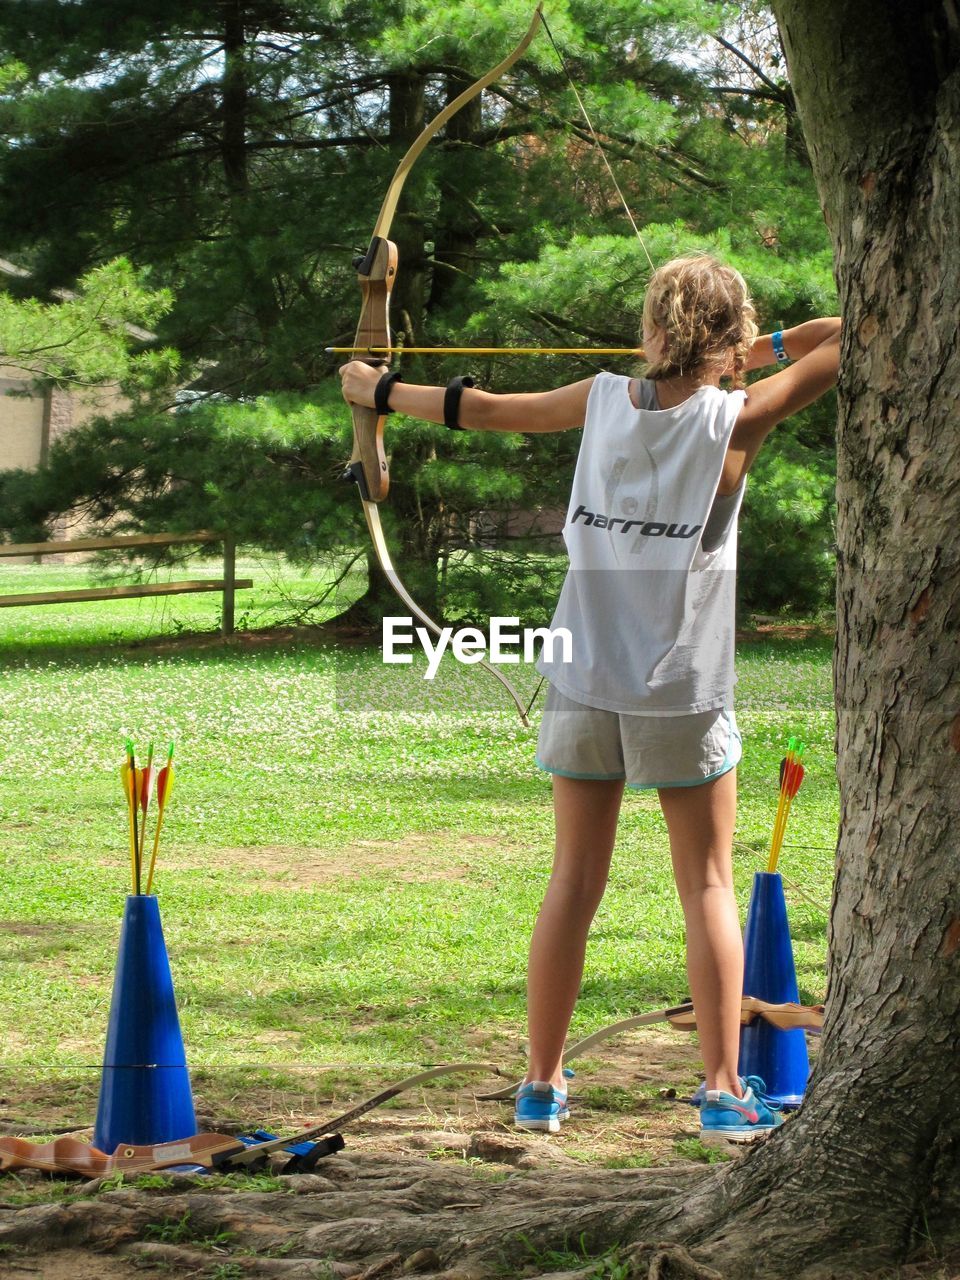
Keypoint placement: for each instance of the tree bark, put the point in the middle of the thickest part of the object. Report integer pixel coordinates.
(869, 1169)
(233, 146)
(407, 119)
(235, 93)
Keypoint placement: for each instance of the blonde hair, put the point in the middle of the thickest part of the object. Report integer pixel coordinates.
(706, 315)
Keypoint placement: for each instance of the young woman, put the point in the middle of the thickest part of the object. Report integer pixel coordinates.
(647, 700)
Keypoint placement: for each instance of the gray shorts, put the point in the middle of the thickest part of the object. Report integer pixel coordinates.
(577, 741)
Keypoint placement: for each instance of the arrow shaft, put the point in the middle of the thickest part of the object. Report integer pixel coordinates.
(391, 352)
(164, 784)
(777, 834)
(129, 785)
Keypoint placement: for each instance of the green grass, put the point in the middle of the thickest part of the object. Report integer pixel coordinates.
(185, 1231)
(693, 1149)
(606, 1266)
(352, 860)
(279, 593)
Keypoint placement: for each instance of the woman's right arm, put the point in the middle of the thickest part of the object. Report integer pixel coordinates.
(772, 399)
(797, 342)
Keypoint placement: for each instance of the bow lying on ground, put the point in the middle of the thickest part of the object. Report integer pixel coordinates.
(214, 1151)
(377, 270)
(683, 1017)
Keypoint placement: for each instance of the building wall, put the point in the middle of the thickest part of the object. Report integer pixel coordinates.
(32, 419)
(22, 414)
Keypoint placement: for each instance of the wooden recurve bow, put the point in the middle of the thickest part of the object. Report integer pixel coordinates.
(377, 271)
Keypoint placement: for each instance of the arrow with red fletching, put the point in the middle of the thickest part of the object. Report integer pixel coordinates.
(164, 787)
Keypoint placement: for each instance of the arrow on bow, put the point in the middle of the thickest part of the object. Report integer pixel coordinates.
(376, 271)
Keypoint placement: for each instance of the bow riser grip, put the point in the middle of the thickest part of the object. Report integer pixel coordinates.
(368, 463)
(376, 272)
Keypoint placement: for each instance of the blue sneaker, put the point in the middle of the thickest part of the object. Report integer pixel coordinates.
(540, 1106)
(724, 1118)
(746, 1082)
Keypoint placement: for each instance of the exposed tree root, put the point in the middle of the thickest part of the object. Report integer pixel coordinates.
(373, 1218)
(368, 1216)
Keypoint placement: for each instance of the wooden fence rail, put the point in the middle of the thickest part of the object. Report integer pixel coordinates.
(228, 585)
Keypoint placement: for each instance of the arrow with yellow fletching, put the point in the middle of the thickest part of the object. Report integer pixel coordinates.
(138, 787)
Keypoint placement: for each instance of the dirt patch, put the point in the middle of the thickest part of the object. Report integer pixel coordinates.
(771, 629)
(253, 638)
(37, 1104)
(24, 930)
(68, 1264)
(56, 929)
(414, 860)
(619, 1115)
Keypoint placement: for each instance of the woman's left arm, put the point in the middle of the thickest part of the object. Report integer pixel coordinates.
(529, 412)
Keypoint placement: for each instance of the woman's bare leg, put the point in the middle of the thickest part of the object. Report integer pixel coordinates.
(586, 818)
(700, 821)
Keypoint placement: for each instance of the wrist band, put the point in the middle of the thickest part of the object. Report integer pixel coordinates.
(778, 348)
(381, 394)
(451, 401)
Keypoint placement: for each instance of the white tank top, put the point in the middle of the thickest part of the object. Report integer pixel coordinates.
(649, 601)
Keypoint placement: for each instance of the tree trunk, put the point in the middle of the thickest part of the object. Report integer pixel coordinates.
(869, 1170)
(457, 223)
(233, 145)
(235, 91)
(407, 119)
